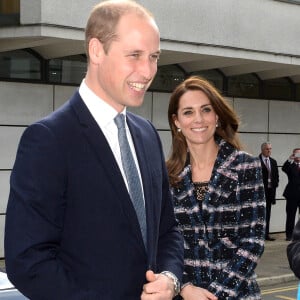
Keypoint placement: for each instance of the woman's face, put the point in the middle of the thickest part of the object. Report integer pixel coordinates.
(196, 118)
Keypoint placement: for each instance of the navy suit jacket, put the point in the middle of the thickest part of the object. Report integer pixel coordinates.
(71, 230)
(292, 189)
(274, 177)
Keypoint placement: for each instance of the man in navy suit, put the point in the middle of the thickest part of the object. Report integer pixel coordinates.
(271, 180)
(72, 231)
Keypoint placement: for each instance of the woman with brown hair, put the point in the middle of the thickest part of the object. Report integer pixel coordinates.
(218, 195)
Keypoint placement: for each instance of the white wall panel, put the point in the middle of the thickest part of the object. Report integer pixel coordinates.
(252, 142)
(4, 190)
(253, 28)
(22, 103)
(166, 140)
(145, 110)
(283, 180)
(285, 117)
(253, 114)
(160, 110)
(230, 101)
(278, 217)
(62, 94)
(9, 140)
(230, 23)
(283, 145)
(2, 222)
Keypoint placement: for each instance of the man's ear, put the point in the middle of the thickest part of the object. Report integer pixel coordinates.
(95, 51)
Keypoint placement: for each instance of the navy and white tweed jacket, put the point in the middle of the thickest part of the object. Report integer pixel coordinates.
(224, 238)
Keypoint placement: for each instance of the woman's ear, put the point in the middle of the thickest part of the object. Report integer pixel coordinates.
(174, 117)
(95, 51)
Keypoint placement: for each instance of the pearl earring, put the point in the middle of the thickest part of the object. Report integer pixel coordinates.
(179, 129)
(217, 125)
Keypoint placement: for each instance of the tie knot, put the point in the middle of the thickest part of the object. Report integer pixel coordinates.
(120, 121)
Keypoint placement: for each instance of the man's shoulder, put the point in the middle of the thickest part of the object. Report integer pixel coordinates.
(273, 160)
(139, 121)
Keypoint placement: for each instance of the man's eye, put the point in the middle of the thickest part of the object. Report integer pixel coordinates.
(135, 55)
(155, 57)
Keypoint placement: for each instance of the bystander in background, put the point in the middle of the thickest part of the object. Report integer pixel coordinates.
(292, 191)
(271, 180)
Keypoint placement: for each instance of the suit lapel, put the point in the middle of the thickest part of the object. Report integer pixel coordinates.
(98, 142)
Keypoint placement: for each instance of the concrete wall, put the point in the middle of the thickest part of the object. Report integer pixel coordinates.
(22, 104)
(255, 26)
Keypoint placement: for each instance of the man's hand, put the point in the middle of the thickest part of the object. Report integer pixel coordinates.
(159, 287)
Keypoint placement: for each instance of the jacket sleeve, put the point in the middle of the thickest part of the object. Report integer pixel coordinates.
(250, 244)
(293, 251)
(34, 220)
(286, 167)
(170, 241)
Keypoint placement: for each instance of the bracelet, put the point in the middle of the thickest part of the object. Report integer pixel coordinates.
(185, 284)
(174, 280)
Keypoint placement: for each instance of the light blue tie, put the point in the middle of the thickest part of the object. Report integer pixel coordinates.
(132, 175)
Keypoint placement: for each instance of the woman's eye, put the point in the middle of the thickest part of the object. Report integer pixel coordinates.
(187, 112)
(207, 109)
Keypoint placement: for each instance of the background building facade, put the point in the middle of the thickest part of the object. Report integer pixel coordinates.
(249, 49)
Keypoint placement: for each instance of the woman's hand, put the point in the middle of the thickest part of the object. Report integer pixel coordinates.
(191, 292)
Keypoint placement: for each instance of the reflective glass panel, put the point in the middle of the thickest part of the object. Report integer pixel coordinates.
(19, 64)
(278, 88)
(69, 69)
(298, 92)
(213, 76)
(9, 12)
(245, 85)
(167, 78)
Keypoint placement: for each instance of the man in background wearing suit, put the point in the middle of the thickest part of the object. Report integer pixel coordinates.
(76, 226)
(292, 191)
(271, 180)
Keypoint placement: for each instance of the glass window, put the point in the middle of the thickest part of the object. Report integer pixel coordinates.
(167, 78)
(245, 85)
(19, 64)
(213, 76)
(9, 12)
(70, 70)
(278, 88)
(298, 92)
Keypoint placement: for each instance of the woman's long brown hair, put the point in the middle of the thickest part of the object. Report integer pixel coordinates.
(228, 123)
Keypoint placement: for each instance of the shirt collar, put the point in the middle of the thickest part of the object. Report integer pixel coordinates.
(102, 112)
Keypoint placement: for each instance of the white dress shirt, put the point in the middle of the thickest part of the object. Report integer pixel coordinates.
(104, 115)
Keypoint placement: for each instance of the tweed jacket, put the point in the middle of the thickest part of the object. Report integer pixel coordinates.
(223, 237)
(293, 251)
